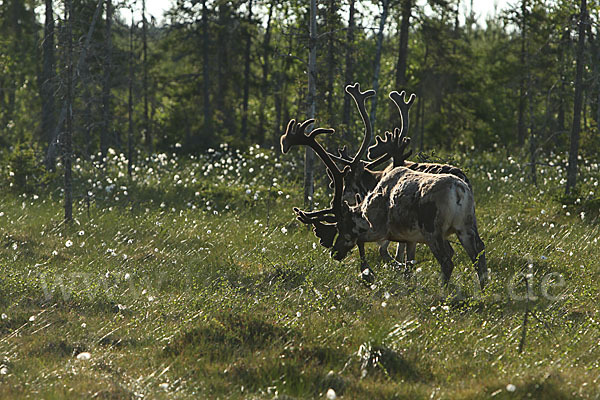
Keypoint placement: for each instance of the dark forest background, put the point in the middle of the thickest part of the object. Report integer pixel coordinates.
(236, 71)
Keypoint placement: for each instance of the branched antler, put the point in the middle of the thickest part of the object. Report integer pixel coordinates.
(394, 144)
(295, 136)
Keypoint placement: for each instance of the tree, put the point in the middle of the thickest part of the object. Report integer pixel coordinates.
(105, 136)
(247, 60)
(377, 65)
(130, 102)
(48, 74)
(349, 67)
(402, 54)
(205, 70)
(266, 48)
(523, 81)
(51, 152)
(577, 103)
(309, 157)
(68, 134)
(147, 127)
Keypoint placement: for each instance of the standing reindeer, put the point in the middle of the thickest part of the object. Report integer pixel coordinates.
(363, 177)
(393, 147)
(404, 206)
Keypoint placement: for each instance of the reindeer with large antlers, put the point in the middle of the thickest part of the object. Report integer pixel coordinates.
(404, 206)
(393, 146)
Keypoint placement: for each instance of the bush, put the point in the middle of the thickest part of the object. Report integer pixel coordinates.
(25, 172)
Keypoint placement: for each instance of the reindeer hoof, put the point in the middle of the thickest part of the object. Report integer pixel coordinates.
(367, 276)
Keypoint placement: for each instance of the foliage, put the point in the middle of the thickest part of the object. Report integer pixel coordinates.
(25, 173)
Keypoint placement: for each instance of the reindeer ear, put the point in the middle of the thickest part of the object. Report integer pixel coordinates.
(326, 233)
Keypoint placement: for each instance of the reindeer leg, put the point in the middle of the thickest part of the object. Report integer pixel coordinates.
(400, 250)
(470, 240)
(365, 271)
(410, 257)
(443, 252)
(383, 250)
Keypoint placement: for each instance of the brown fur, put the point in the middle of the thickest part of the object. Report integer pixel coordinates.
(415, 207)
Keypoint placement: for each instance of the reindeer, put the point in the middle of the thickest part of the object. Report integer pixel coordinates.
(393, 146)
(404, 206)
(363, 177)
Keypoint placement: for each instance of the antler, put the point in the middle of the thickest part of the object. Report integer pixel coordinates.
(403, 107)
(294, 136)
(394, 144)
(360, 98)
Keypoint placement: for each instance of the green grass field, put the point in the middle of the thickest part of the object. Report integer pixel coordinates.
(193, 280)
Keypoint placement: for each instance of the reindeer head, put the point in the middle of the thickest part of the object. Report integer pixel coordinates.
(348, 231)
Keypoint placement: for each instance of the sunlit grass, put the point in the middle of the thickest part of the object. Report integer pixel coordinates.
(189, 282)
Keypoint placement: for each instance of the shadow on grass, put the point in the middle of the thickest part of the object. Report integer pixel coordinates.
(228, 335)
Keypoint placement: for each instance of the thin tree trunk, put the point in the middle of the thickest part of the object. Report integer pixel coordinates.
(331, 69)
(48, 76)
(377, 67)
(281, 108)
(532, 135)
(312, 93)
(402, 56)
(577, 102)
(349, 69)
(130, 104)
(105, 135)
(265, 78)
(147, 128)
(247, 60)
(522, 88)
(222, 102)
(67, 146)
(205, 71)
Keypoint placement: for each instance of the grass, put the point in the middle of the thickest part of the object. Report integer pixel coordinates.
(187, 282)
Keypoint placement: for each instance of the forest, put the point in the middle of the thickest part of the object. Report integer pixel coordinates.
(151, 168)
(232, 72)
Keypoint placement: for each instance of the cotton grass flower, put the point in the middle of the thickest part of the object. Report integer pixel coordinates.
(84, 356)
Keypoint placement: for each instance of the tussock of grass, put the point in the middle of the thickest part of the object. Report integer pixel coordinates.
(187, 282)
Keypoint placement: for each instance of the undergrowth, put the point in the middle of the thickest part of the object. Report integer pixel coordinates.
(192, 279)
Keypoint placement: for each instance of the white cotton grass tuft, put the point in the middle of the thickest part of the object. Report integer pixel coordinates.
(510, 387)
(331, 395)
(84, 356)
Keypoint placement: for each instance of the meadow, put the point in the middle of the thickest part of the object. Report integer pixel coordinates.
(192, 279)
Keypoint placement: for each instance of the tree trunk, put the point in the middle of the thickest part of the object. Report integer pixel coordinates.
(402, 56)
(105, 135)
(331, 63)
(532, 134)
(205, 71)
(247, 59)
(147, 128)
(522, 82)
(130, 104)
(349, 70)
(265, 77)
(66, 143)
(377, 67)
(48, 76)
(577, 102)
(222, 101)
(312, 94)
